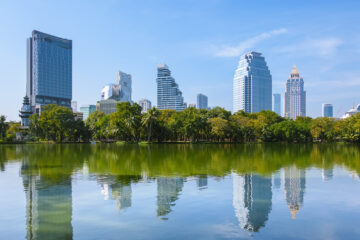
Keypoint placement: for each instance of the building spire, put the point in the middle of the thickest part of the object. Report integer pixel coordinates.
(294, 70)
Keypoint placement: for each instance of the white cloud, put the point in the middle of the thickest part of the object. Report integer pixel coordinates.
(234, 51)
(322, 47)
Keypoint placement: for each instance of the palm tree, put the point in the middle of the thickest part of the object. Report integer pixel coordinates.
(149, 118)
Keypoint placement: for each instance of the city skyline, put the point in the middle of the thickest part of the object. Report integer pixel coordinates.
(203, 61)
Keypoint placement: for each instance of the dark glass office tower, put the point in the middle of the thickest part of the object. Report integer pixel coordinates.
(49, 70)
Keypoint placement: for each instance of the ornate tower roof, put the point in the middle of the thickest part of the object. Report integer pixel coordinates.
(294, 72)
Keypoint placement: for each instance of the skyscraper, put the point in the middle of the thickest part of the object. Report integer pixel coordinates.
(327, 110)
(49, 70)
(294, 96)
(145, 104)
(87, 110)
(202, 101)
(121, 91)
(277, 103)
(252, 89)
(169, 95)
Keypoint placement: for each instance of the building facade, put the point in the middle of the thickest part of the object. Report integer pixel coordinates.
(87, 110)
(169, 95)
(49, 70)
(352, 111)
(201, 101)
(294, 96)
(145, 104)
(107, 106)
(252, 86)
(121, 91)
(74, 106)
(327, 110)
(277, 103)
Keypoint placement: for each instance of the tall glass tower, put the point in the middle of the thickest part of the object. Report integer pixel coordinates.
(277, 103)
(169, 95)
(294, 96)
(252, 90)
(49, 70)
(201, 101)
(327, 110)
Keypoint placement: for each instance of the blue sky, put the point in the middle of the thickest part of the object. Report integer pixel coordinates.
(199, 40)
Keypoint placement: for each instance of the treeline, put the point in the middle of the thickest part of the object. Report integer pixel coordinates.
(191, 125)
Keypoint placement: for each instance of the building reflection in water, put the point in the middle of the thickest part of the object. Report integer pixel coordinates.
(277, 179)
(294, 188)
(252, 197)
(48, 207)
(327, 174)
(201, 182)
(168, 190)
(119, 188)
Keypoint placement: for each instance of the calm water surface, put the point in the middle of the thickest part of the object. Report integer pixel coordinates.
(108, 191)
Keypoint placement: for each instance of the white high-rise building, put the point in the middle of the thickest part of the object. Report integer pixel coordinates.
(294, 96)
(121, 91)
(252, 89)
(145, 104)
(169, 95)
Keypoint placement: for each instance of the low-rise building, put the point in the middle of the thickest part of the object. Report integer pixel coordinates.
(145, 104)
(87, 110)
(107, 106)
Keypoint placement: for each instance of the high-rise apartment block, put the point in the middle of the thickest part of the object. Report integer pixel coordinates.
(169, 95)
(145, 104)
(49, 70)
(87, 110)
(327, 110)
(121, 91)
(201, 101)
(252, 89)
(294, 96)
(277, 103)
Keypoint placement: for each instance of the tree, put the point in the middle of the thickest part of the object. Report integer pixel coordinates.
(3, 127)
(219, 128)
(149, 120)
(97, 122)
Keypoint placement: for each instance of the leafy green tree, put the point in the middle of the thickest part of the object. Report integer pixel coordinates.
(3, 127)
(98, 123)
(13, 128)
(149, 120)
(219, 128)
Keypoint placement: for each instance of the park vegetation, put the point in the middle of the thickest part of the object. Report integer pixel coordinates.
(129, 124)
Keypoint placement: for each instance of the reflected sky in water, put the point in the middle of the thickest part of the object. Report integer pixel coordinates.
(106, 191)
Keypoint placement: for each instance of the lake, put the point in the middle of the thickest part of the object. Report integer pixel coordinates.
(180, 191)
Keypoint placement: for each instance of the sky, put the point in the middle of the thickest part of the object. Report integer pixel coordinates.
(200, 40)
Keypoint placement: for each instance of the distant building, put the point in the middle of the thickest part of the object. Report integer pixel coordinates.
(252, 89)
(25, 112)
(79, 115)
(169, 95)
(193, 105)
(352, 111)
(327, 110)
(294, 96)
(49, 70)
(121, 91)
(145, 104)
(277, 103)
(201, 101)
(107, 106)
(74, 106)
(168, 191)
(87, 110)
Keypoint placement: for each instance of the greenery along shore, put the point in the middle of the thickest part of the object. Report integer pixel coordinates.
(193, 125)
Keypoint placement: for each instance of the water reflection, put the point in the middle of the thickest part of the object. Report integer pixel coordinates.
(294, 188)
(251, 200)
(48, 208)
(168, 190)
(255, 170)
